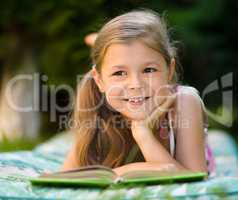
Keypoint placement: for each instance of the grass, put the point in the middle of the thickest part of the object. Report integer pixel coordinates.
(19, 144)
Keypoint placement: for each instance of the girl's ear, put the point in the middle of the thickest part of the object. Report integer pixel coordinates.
(97, 78)
(171, 69)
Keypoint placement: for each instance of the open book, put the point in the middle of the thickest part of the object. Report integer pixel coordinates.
(101, 176)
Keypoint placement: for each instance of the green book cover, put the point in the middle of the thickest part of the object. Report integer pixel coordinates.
(101, 176)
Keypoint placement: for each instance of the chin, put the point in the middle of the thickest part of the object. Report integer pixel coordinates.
(135, 115)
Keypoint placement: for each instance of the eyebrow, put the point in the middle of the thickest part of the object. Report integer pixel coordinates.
(152, 62)
(119, 66)
(145, 64)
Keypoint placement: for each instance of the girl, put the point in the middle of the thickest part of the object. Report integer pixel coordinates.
(131, 112)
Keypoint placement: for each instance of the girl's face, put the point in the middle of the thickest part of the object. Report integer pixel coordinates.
(133, 70)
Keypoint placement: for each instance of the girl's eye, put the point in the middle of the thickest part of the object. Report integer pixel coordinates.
(119, 73)
(150, 69)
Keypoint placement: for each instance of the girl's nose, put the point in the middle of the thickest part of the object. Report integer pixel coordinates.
(135, 82)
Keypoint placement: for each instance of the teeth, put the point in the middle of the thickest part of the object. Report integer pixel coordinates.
(136, 99)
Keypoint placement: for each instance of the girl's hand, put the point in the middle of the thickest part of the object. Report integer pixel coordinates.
(148, 125)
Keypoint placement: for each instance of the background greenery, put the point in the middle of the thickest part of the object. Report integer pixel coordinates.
(53, 32)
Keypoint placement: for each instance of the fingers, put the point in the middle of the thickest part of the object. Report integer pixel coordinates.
(162, 109)
(167, 103)
(159, 100)
(162, 94)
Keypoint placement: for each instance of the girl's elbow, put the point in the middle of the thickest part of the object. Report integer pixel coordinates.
(203, 169)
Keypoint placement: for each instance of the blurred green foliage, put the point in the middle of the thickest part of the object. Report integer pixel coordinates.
(18, 144)
(54, 32)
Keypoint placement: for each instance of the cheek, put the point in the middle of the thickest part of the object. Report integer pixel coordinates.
(159, 85)
(114, 92)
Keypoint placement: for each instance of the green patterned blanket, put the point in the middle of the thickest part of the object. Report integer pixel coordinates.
(16, 167)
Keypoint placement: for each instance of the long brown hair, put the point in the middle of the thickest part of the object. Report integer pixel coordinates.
(103, 136)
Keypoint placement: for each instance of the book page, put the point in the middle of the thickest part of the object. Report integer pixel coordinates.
(88, 172)
(151, 173)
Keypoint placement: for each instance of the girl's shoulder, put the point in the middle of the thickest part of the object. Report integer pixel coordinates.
(185, 89)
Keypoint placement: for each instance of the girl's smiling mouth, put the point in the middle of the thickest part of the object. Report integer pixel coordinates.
(138, 101)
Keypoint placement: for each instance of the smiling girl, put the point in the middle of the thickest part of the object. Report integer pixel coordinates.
(141, 117)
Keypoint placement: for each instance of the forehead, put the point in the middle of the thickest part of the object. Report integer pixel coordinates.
(134, 53)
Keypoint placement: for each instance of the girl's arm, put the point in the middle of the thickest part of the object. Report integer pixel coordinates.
(148, 166)
(190, 139)
(190, 145)
(70, 161)
(156, 156)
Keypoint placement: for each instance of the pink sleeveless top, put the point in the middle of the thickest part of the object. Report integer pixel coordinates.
(208, 152)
